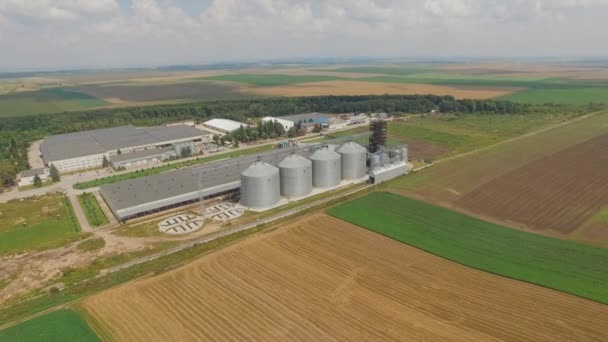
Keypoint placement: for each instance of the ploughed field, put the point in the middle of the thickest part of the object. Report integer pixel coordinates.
(554, 182)
(563, 265)
(558, 192)
(320, 278)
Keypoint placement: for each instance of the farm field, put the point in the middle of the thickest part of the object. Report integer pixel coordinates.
(529, 84)
(446, 182)
(36, 223)
(558, 192)
(58, 326)
(455, 134)
(268, 80)
(558, 264)
(125, 93)
(320, 278)
(92, 211)
(363, 87)
(567, 96)
(50, 100)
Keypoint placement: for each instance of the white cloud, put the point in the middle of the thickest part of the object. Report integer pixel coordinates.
(164, 31)
(57, 10)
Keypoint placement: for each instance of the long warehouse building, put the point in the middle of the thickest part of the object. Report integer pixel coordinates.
(84, 150)
(143, 196)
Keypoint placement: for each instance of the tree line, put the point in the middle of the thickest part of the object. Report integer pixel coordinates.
(16, 133)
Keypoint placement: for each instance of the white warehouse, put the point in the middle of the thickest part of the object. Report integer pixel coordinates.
(287, 124)
(84, 150)
(223, 125)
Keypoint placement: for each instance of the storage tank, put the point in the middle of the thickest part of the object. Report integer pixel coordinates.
(260, 186)
(325, 168)
(296, 176)
(353, 158)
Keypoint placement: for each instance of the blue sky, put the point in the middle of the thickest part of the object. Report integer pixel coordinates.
(47, 34)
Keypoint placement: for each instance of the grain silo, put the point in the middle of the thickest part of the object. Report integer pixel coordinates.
(325, 168)
(296, 176)
(354, 157)
(260, 185)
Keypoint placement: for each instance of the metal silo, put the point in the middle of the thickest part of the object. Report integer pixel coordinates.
(260, 185)
(296, 176)
(325, 168)
(353, 160)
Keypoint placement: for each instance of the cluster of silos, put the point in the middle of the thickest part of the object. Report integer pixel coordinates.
(262, 184)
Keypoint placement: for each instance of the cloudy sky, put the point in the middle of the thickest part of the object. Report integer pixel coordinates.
(108, 33)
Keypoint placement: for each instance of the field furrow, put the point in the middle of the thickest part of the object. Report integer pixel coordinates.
(320, 278)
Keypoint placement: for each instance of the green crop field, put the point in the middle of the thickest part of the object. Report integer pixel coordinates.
(92, 211)
(58, 326)
(51, 100)
(558, 264)
(463, 133)
(535, 89)
(36, 223)
(169, 167)
(268, 80)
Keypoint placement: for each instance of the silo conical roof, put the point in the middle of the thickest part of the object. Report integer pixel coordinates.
(294, 161)
(259, 169)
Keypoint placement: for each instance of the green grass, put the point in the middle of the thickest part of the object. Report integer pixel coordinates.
(558, 264)
(168, 167)
(58, 326)
(91, 245)
(463, 133)
(92, 210)
(564, 96)
(51, 100)
(37, 223)
(269, 80)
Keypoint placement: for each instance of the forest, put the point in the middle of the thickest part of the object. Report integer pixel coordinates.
(16, 133)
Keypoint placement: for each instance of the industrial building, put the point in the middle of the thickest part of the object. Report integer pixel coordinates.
(223, 125)
(84, 150)
(263, 180)
(141, 157)
(287, 124)
(26, 177)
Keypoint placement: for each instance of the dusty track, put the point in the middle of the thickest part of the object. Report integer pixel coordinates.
(322, 279)
(558, 192)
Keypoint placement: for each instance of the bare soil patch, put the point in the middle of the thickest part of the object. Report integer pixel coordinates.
(376, 88)
(320, 278)
(558, 192)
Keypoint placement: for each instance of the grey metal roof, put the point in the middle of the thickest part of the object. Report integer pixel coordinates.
(306, 117)
(33, 172)
(151, 152)
(148, 192)
(79, 144)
